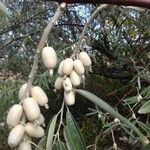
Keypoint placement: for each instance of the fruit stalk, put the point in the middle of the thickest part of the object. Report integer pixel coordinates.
(41, 44)
(92, 17)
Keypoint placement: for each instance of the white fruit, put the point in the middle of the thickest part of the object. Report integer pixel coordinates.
(49, 57)
(16, 135)
(40, 120)
(25, 146)
(34, 130)
(75, 79)
(39, 95)
(14, 115)
(22, 91)
(78, 67)
(69, 98)
(58, 83)
(60, 68)
(31, 108)
(67, 84)
(85, 59)
(67, 66)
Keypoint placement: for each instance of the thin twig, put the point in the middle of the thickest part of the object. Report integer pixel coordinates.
(61, 112)
(35, 145)
(92, 17)
(41, 45)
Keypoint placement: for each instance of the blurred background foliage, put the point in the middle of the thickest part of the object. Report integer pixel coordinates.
(118, 42)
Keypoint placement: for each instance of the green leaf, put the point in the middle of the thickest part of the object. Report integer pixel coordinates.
(131, 100)
(145, 108)
(72, 134)
(50, 134)
(3, 9)
(147, 147)
(146, 92)
(41, 143)
(61, 146)
(103, 105)
(68, 139)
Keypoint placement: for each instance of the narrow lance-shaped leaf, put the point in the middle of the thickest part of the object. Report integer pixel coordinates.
(103, 105)
(50, 134)
(72, 134)
(41, 144)
(61, 145)
(3, 9)
(68, 139)
(145, 108)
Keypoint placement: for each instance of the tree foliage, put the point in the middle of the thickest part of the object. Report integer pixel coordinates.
(118, 43)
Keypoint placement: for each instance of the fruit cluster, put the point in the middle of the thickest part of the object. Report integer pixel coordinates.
(25, 119)
(71, 73)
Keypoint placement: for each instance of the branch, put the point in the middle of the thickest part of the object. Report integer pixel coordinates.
(92, 17)
(140, 3)
(114, 73)
(19, 24)
(97, 45)
(13, 40)
(41, 45)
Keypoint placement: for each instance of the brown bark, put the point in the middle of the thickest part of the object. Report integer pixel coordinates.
(140, 3)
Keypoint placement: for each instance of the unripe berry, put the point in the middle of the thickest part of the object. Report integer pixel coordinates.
(60, 68)
(39, 95)
(75, 79)
(22, 91)
(16, 135)
(69, 98)
(67, 84)
(14, 115)
(85, 59)
(49, 57)
(40, 120)
(25, 146)
(67, 66)
(78, 67)
(34, 130)
(58, 83)
(31, 108)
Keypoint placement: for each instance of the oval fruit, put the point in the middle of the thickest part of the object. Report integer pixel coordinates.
(39, 95)
(67, 84)
(67, 66)
(60, 68)
(22, 91)
(16, 135)
(75, 79)
(34, 130)
(58, 83)
(14, 115)
(24, 146)
(31, 108)
(40, 120)
(49, 57)
(69, 98)
(78, 67)
(85, 59)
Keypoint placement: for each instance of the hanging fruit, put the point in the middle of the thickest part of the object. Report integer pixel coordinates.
(85, 59)
(39, 95)
(49, 57)
(14, 115)
(16, 135)
(31, 109)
